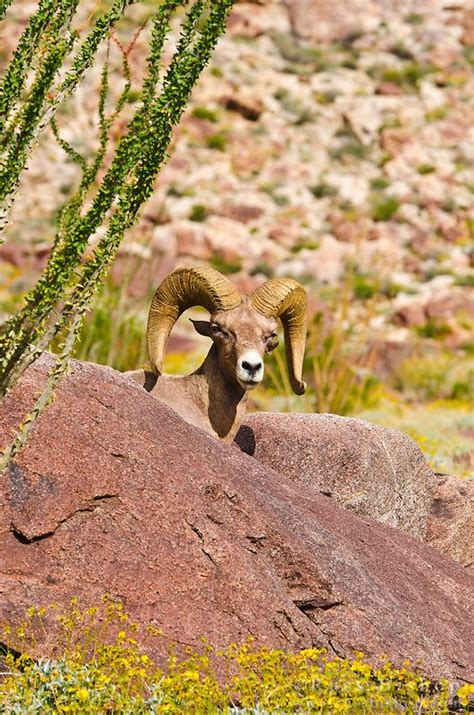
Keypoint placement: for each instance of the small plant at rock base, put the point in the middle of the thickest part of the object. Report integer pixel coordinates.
(384, 209)
(322, 190)
(217, 141)
(199, 213)
(379, 183)
(101, 664)
(205, 113)
(225, 265)
(425, 169)
(350, 148)
(433, 328)
(363, 286)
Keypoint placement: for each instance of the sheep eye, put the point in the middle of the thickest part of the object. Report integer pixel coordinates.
(218, 330)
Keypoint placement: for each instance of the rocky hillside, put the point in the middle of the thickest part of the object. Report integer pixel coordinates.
(318, 140)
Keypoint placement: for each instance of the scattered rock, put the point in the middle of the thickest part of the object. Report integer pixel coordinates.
(349, 230)
(388, 355)
(325, 20)
(449, 304)
(435, 305)
(365, 119)
(467, 37)
(250, 107)
(392, 140)
(240, 212)
(205, 540)
(410, 315)
(389, 89)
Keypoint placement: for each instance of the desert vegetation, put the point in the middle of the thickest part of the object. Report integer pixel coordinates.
(100, 667)
(134, 142)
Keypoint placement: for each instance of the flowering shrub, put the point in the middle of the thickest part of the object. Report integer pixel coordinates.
(100, 667)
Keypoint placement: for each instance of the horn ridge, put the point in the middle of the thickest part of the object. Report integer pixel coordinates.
(180, 290)
(285, 298)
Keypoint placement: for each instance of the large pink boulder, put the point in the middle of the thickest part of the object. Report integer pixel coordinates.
(114, 492)
(371, 470)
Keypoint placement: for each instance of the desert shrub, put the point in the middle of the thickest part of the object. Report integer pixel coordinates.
(338, 367)
(225, 265)
(101, 664)
(409, 74)
(217, 141)
(425, 169)
(363, 286)
(351, 147)
(113, 332)
(439, 377)
(440, 428)
(383, 209)
(433, 328)
(205, 113)
(323, 189)
(380, 182)
(199, 213)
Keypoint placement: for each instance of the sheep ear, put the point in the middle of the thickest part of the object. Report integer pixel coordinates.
(203, 327)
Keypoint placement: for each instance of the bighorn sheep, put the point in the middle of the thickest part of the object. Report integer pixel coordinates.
(242, 328)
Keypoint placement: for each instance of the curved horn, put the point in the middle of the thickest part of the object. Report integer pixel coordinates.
(183, 289)
(286, 299)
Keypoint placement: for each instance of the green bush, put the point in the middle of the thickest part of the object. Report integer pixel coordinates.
(204, 113)
(224, 265)
(380, 182)
(425, 169)
(444, 376)
(364, 287)
(384, 209)
(322, 189)
(408, 74)
(199, 213)
(217, 141)
(433, 328)
(350, 148)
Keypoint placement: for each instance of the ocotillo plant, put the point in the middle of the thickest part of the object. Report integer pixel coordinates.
(46, 42)
(63, 293)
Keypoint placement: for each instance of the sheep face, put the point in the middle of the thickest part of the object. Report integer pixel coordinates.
(242, 336)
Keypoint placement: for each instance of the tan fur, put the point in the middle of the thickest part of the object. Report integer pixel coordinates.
(212, 398)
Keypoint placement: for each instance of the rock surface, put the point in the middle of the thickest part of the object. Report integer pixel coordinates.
(366, 468)
(369, 469)
(114, 492)
(451, 522)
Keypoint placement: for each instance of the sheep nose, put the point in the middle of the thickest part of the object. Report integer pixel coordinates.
(252, 368)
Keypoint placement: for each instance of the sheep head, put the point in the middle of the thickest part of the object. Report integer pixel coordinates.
(243, 329)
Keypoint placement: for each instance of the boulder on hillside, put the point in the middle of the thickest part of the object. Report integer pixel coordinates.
(326, 20)
(450, 521)
(369, 469)
(114, 492)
